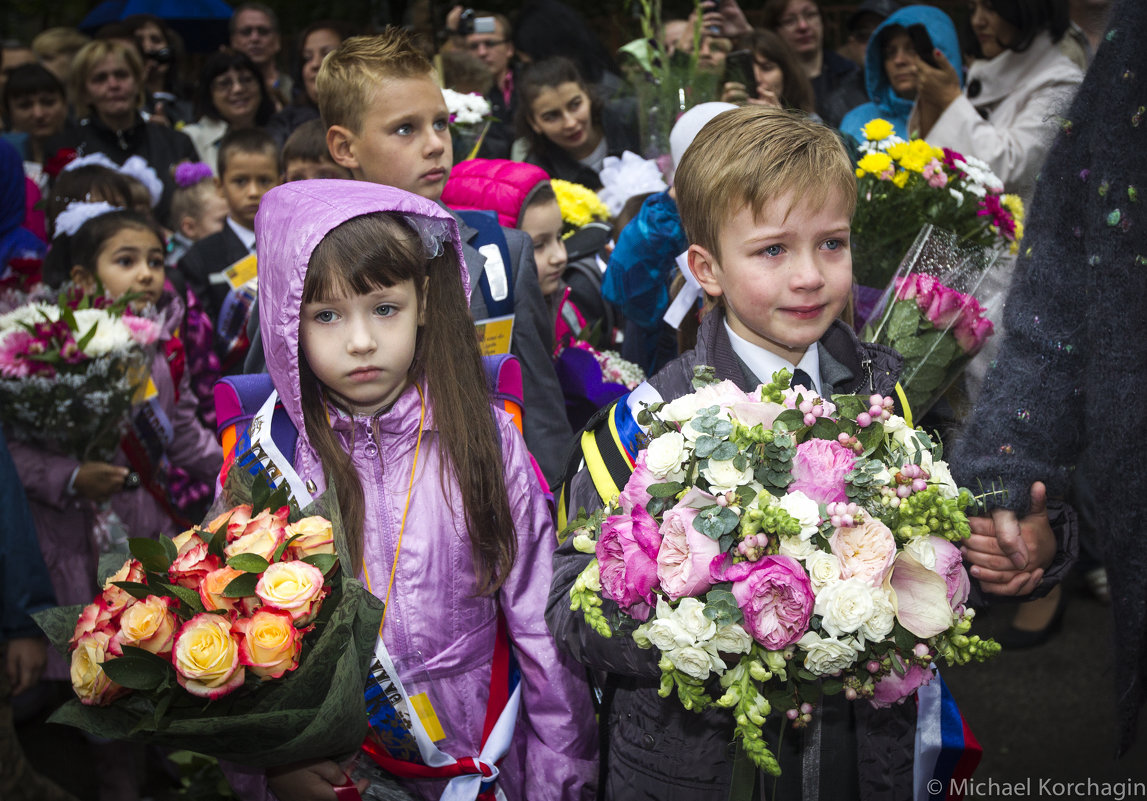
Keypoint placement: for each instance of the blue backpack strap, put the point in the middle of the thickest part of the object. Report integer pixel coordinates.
(490, 233)
(238, 398)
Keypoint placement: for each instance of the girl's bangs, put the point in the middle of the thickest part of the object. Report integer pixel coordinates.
(362, 255)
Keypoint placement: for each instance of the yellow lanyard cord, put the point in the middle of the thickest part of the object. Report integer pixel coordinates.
(402, 526)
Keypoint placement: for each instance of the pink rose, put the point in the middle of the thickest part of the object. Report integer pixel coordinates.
(685, 555)
(627, 558)
(118, 599)
(865, 551)
(893, 688)
(971, 335)
(636, 492)
(96, 616)
(774, 593)
(945, 307)
(192, 563)
(950, 566)
(274, 522)
(906, 288)
(142, 330)
(819, 468)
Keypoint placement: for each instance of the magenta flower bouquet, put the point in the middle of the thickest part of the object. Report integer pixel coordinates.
(776, 546)
(930, 314)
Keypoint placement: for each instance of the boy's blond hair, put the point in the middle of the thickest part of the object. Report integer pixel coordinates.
(351, 73)
(748, 157)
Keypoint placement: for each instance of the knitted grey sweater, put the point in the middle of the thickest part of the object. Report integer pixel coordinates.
(1069, 388)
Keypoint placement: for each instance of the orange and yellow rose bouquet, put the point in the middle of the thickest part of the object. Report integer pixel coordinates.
(241, 639)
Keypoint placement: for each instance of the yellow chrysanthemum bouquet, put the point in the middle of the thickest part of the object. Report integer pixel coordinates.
(905, 185)
(579, 205)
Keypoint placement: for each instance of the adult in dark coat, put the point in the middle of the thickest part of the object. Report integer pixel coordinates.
(1067, 389)
(107, 76)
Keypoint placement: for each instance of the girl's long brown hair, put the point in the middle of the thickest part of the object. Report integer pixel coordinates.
(381, 250)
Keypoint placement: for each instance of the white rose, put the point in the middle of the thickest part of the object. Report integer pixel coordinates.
(822, 568)
(804, 509)
(796, 547)
(723, 476)
(922, 551)
(942, 477)
(844, 606)
(826, 656)
(666, 634)
(665, 454)
(691, 617)
(879, 623)
(732, 639)
(683, 408)
(692, 661)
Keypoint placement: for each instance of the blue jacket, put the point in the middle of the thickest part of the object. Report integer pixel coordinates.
(16, 241)
(24, 583)
(884, 102)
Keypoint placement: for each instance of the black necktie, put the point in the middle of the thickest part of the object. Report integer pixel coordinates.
(800, 377)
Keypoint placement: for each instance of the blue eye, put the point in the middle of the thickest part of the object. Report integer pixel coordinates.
(441, 125)
(404, 130)
(326, 316)
(835, 244)
(384, 310)
(773, 251)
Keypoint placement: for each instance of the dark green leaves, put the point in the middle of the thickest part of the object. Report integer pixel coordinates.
(248, 562)
(665, 490)
(323, 561)
(138, 669)
(155, 555)
(242, 586)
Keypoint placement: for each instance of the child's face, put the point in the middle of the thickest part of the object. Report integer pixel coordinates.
(248, 177)
(131, 260)
(543, 224)
(305, 170)
(784, 280)
(361, 347)
(404, 140)
(210, 220)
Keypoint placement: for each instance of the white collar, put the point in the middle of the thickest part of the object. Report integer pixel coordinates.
(764, 363)
(246, 235)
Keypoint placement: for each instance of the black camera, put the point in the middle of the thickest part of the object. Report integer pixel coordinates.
(468, 23)
(161, 56)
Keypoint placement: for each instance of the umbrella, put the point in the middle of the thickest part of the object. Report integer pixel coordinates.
(201, 23)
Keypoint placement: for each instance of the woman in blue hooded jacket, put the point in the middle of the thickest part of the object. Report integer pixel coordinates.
(890, 75)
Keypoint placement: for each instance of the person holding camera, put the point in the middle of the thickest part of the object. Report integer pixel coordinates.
(162, 52)
(890, 66)
(487, 37)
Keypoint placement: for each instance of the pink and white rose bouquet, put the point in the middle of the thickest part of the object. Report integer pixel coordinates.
(776, 546)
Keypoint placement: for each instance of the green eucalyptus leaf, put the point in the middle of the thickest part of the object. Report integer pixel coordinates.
(665, 490)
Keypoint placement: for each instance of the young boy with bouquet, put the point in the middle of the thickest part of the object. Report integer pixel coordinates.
(766, 199)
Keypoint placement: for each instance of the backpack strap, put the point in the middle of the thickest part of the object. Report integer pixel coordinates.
(607, 447)
(238, 398)
(496, 282)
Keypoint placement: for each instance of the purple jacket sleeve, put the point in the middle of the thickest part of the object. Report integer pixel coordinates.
(558, 718)
(44, 474)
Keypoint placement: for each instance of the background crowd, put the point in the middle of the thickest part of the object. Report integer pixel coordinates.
(141, 115)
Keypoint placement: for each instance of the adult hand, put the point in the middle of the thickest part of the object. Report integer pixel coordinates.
(26, 659)
(724, 18)
(309, 781)
(159, 116)
(937, 86)
(733, 92)
(99, 481)
(1009, 556)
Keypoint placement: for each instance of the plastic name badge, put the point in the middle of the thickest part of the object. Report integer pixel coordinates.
(496, 272)
(241, 271)
(425, 711)
(495, 335)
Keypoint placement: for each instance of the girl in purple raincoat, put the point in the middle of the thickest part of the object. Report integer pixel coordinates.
(373, 354)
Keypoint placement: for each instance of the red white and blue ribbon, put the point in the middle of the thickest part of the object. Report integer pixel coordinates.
(947, 752)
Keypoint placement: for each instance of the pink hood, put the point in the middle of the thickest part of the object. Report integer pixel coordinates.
(493, 185)
(292, 220)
